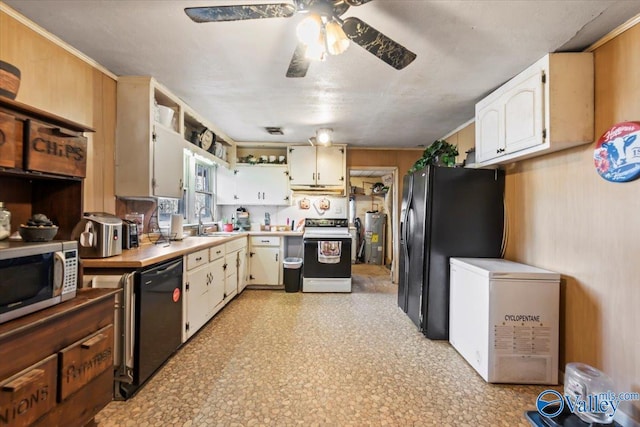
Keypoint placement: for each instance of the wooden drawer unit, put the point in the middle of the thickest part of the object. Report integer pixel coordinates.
(84, 360)
(216, 252)
(54, 150)
(7, 140)
(196, 259)
(56, 365)
(29, 394)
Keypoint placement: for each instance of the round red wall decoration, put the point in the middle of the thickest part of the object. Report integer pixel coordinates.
(617, 153)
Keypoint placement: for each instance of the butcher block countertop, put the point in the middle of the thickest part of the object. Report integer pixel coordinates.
(148, 254)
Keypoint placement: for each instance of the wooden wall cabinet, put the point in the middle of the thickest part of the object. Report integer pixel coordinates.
(57, 364)
(548, 107)
(7, 140)
(42, 163)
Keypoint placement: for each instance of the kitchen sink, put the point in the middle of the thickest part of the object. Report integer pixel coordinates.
(219, 234)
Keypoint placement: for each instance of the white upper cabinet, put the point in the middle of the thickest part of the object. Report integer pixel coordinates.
(547, 107)
(302, 165)
(226, 187)
(138, 135)
(317, 167)
(167, 163)
(253, 185)
(262, 185)
(152, 130)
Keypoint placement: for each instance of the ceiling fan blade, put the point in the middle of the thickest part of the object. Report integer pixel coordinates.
(356, 2)
(377, 43)
(237, 13)
(299, 63)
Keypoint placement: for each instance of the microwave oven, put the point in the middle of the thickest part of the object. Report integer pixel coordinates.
(36, 276)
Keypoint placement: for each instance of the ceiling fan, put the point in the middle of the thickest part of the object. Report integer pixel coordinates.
(327, 14)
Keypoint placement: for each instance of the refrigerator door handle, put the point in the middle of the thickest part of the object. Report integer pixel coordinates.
(505, 229)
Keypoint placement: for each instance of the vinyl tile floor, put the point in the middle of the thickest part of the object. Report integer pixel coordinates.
(272, 358)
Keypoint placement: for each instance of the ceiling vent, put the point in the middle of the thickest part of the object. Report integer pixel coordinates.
(274, 130)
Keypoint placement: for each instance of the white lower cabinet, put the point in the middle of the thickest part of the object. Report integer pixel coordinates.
(216, 288)
(265, 260)
(212, 277)
(196, 288)
(242, 269)
(236, 260)
(231, 275)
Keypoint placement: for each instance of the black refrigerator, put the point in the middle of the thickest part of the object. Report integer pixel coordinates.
(446, 212)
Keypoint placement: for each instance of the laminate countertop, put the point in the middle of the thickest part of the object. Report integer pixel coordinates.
(148, 253)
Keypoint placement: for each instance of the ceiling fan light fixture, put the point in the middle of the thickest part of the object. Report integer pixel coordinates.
(337, 40)
(309, 30)
(316, 50)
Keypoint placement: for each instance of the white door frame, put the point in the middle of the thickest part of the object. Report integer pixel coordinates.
(395, 221)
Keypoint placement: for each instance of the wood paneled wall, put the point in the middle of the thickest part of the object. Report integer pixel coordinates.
(564, 217)
(59, 82)
(464, 139)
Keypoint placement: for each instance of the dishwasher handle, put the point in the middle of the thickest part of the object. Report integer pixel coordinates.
(173, 268)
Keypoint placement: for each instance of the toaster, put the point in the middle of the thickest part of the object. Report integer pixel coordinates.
(99, 235)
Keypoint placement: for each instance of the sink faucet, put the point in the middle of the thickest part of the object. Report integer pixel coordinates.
(200, 226)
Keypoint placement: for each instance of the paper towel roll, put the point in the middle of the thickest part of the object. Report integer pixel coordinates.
(176, 227)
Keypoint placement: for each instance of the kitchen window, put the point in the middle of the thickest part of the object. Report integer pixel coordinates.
(198, 194)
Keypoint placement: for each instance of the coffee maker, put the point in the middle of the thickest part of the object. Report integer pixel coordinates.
(242, 219)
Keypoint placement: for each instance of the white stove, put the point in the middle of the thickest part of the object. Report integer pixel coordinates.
(327, 255)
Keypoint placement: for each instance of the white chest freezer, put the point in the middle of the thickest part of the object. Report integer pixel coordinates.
(503, 319)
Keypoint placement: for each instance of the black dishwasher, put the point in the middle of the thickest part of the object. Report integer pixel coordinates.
(158, 317)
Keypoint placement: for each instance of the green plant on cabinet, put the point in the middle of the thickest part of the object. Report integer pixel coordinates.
(439, 153)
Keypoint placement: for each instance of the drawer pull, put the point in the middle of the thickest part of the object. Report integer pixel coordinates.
(24, 380)
(199, 258)
(93, 341)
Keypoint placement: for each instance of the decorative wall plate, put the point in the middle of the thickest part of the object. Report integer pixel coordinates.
(617, 153)
(207, 140)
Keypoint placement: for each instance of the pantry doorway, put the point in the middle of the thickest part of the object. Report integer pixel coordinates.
(375, 189)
